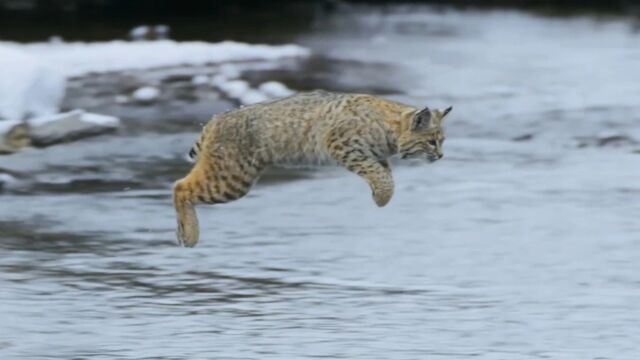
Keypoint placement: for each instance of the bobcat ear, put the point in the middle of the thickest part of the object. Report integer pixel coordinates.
(446, 111)
(421, 120)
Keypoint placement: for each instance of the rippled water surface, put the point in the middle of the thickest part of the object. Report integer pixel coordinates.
(503, 250)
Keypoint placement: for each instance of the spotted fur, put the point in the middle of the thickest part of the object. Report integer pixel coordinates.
(358, 132)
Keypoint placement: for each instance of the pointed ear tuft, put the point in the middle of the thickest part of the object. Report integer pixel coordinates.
(446, 111)
(421, 120)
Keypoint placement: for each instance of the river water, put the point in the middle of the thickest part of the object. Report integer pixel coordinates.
(521, 243)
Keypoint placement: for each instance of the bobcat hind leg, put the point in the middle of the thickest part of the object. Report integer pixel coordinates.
(209, 183)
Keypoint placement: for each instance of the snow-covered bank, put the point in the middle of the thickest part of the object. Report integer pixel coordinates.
(32, 76)
(75, 59)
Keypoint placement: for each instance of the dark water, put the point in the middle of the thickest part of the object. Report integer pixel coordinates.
(503, 250)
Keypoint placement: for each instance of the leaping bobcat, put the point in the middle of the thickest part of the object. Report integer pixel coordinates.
(359, 132)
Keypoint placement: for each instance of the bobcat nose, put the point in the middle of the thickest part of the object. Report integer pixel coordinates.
(440, 156)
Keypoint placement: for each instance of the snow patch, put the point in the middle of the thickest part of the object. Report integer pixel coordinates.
(78, 114)
(241, 91)
(42, 120)
(102, 120)
(28, 87)
(56, 39)
(139, 32)
(145, 32)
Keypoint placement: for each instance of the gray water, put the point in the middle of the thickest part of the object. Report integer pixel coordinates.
(504, 249)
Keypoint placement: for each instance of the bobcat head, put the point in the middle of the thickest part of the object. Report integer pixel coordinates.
(424, 137)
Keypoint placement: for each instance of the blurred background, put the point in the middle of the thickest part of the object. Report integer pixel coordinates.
(522, 243)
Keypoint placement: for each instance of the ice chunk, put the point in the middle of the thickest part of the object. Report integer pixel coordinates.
(102, 120)
(162, 31)
(139, 32)
(7, 178)
(56, 39)
(252, 96)
(275, 89)
(146, 94)
(200, 80)
(229, 71)
(43, 120)
(145, 32)
(69, 126)
(234, 88)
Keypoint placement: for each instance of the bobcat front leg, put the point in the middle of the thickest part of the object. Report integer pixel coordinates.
(360, 153)
(375, 172)
(378, 175)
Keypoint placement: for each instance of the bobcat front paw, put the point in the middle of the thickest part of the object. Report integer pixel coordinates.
(382, 197)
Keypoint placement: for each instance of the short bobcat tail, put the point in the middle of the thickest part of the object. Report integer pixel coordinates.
(193, 153)
(188, 229)
(197, 147)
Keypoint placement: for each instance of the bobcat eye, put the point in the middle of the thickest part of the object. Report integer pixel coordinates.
(433, 143)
